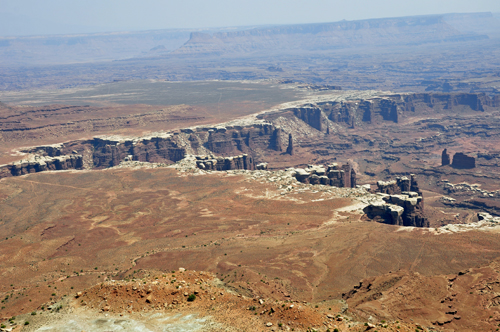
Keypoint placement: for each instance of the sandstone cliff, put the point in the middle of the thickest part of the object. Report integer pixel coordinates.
(246, 142)
(40, 164)
(324, 115)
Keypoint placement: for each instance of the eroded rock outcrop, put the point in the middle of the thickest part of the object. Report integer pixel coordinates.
(405, 209)
(401, 203)
(332, 175)
(225, 163)
(398, 186)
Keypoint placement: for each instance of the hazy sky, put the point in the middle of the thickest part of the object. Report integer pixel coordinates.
(28, 17)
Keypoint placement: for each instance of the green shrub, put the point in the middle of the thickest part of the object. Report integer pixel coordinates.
(191, 298)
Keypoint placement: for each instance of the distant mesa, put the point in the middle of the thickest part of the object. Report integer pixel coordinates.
(275, 69)
(460, 160)
(159, 49)
(413, 30)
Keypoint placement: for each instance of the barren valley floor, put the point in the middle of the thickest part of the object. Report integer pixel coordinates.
(113, 214)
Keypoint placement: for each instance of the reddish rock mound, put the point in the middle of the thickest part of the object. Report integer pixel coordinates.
(468, 301)
(200, 292)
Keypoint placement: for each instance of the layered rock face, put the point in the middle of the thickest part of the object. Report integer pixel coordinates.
(111, 151)
(449, 101)
(310, 115)
(244, 142)
(331, 175)
(461, 160)
(40, 164)
(234, 140)
(401, 203)
(225, 163)
(387, 108)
